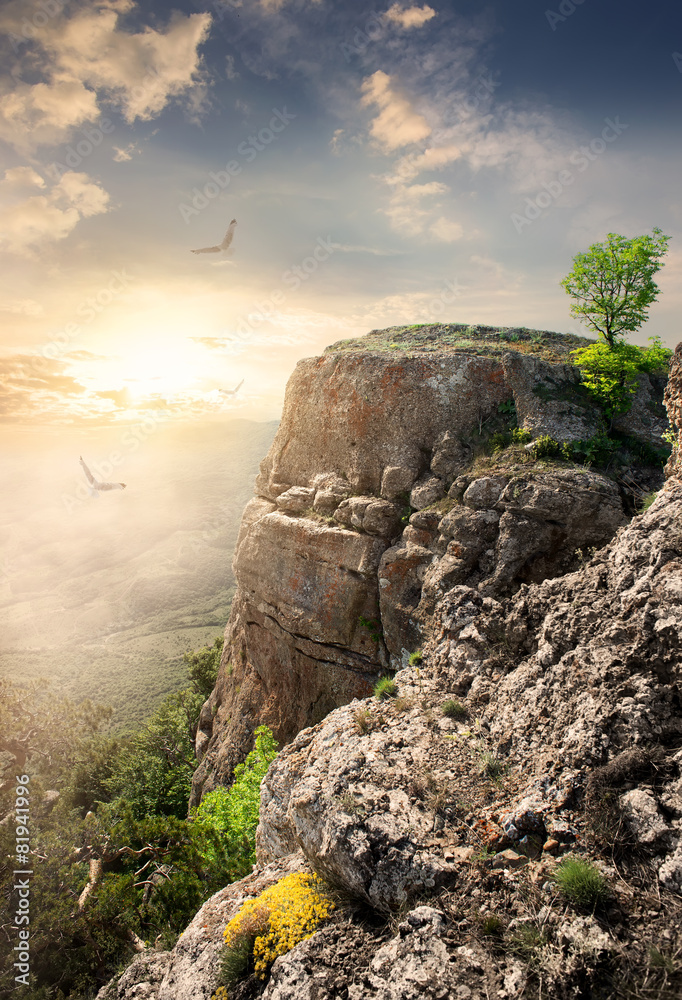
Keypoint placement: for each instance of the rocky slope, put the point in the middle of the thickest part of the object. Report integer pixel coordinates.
(371, 504)
(442, 829)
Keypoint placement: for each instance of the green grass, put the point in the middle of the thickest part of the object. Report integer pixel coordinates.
(479, 340)
(385, 688)
(581, 882)
(416, 658)
(647, 501)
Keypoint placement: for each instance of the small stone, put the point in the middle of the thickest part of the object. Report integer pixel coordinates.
(551, 846)
(509, 859)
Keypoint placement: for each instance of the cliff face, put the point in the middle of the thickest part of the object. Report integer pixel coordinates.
(368, 509)
(564, 740)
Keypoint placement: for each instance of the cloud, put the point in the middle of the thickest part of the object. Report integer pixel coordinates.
(433, 158)
(230, 71)
(409, 17)
(397, 123)
(119, 396)
(275, 5)
(212, 343)
(21, 307)
(43, 114)
(446, 230)
(345, 248)
(88, 58)
(29, 385)
(29, 222)
(123, 155)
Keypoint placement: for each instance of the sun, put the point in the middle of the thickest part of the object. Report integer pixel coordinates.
(161, 368)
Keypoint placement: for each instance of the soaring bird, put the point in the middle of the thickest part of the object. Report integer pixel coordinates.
(94, 486)
(227, 239)
(232, 392)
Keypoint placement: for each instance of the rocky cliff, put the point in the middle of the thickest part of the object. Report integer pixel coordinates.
(375, 500)
(543, 721)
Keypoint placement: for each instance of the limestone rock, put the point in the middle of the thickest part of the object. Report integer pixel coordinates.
(296, 500)
(141, 979)
(426, 491)
(643, 816)
(329, 495)
(333, 793)
(450, 455)
(397, 480)
(550, 399)
(388, 412)
(376, 517)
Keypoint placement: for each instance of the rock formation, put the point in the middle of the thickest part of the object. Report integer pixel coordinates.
(545, 719)
(368, 509)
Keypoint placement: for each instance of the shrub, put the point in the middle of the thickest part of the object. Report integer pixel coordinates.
(545, 447)
(374, 628)
(610, 373)
(385, 688)
(454, 709)
(271, 925)
(521, 436)
(491, 925)
(581, 882)
(416, 658)
(232, 813)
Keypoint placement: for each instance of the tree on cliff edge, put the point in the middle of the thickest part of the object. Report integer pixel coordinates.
(613, 284)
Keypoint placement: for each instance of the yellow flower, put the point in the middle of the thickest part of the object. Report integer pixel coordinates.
(285, 914)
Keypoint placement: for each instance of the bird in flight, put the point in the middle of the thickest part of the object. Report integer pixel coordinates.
(94, 486)
(232, 392)
(227, 239)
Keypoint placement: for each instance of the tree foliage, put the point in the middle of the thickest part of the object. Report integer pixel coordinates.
(115, 859)
(610, 374)
(202, 666)
(612, 283)
(233, 812)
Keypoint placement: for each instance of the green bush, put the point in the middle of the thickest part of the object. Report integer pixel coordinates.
(521, 436)
(202, 666)
(232, 813)
(546, 447)
(581, 882)
(385, 688)
(416, 658)
(374, 628)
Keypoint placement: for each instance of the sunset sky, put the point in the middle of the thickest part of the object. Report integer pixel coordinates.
(383, 168)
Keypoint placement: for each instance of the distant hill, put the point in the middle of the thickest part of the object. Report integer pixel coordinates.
(103, 596)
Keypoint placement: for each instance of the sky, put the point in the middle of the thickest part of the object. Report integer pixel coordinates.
(393, 164)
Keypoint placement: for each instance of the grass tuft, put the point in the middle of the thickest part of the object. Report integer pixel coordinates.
(385, 688)
(454, 709)
(581, 882)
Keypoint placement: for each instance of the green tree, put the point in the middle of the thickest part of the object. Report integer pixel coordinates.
(613, 284)
(202, 666)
